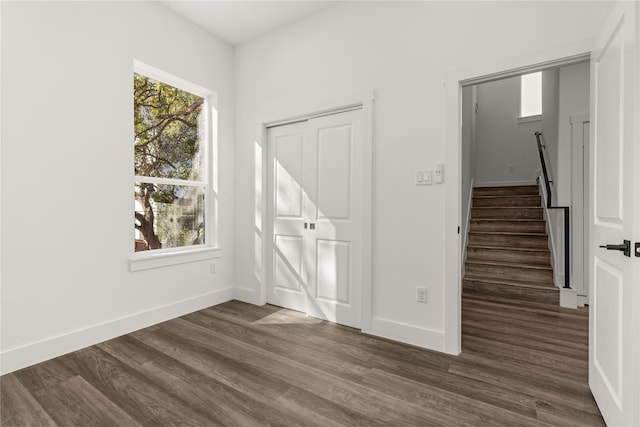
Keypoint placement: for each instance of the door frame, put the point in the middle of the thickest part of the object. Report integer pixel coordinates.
(453, 82)
(262, 241)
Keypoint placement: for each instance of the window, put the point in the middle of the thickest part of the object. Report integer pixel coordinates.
(531, 94)
(171, 167)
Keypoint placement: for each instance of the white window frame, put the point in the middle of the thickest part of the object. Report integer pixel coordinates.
(529, 117)
(144, 260)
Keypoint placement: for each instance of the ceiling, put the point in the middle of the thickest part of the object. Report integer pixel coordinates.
(238, 21)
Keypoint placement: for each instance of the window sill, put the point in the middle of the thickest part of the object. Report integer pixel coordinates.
(529, 119)
(152, 259)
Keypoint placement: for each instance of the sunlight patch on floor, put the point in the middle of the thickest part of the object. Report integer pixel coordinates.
(283, 317)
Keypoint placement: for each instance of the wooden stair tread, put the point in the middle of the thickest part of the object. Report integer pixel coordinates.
(508, 233)
(507, 219)
(532, 187)
(507, 207)
(515, 283)
(509, 264)
(507, 247)
(505, 196)
(472, 246)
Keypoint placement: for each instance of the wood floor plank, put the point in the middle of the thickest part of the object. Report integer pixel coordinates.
(556, 413)
(450, 408)
(19, 408)
(323, 384)
(143, 400)
(406, 361)
(542, 388)
(44, 375)
(261, 386)
(236, 364)
(74, 402)
(485, 349)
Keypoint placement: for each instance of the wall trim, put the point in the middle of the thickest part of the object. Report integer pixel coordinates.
(250, 296)
(20, 357)
(568, 298)
(407, 333)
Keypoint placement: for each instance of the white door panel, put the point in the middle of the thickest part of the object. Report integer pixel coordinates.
(288, 269)
(316, 254)
(614, 217)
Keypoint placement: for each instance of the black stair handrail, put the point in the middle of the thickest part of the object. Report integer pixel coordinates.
(565, 209)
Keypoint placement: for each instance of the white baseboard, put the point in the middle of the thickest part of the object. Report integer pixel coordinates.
(505, 183)
(246, 295)
(583, 300)
(568, 298)
(409, 334)
(30, 354)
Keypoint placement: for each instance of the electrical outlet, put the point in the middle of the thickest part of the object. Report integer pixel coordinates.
(212, 268)
(421, 294)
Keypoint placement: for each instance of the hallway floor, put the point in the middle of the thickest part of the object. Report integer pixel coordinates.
(240, 365)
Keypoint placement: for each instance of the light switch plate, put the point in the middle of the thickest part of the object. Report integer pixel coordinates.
(438, 173)
(424, 177)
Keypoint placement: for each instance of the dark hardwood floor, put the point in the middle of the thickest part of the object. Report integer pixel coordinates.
(240, 365)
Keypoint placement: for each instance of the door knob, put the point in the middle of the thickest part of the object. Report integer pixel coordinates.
(625, 248)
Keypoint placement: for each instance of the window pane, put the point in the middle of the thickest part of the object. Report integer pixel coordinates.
(168, 216)
(168, 131)
(531, 94)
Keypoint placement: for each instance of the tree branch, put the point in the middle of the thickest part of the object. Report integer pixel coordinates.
(190, 109)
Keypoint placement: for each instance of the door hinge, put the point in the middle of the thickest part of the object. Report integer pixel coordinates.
(459, 232)
(637, 249)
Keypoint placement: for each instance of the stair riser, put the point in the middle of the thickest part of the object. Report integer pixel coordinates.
(511, 273)
(507, 201)
(506, 241)
(527, 190)
(508, 226)
(522, 257)
(550, 296)
(506, 213)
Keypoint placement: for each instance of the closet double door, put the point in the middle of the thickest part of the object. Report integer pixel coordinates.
(314, 255)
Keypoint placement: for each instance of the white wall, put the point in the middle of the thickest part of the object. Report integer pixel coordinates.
(67, 168)
(573, 98)
(506, 149)
(402, 50)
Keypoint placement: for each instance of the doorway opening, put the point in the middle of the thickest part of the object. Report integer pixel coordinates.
(510, 245)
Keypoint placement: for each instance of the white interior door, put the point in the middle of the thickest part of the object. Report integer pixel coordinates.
(287, 195)
(315, 181)
(614, 217)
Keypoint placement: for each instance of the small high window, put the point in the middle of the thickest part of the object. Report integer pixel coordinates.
(170, 165)
(531, 94)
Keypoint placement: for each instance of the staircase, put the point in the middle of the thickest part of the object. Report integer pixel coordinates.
(507, 248)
